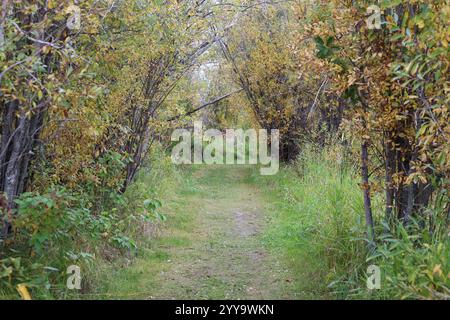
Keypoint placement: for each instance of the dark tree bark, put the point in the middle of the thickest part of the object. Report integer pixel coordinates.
(366, 190)
(20, 123)
(389, 162)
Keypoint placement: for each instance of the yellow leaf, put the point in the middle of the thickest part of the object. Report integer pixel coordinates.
(51, 4)
(437, 269)
(421, 24)
(23, 291)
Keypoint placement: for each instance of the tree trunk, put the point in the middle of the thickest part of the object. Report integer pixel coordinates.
(389, 159)
(366, 189)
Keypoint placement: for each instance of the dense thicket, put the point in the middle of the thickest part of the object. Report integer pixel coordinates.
(311, 68)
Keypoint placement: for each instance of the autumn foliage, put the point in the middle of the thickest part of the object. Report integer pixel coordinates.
(83, 105)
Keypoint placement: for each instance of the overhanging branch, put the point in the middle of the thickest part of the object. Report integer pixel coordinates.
(204, 105)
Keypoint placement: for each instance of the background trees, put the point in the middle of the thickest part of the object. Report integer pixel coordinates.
(380, 72)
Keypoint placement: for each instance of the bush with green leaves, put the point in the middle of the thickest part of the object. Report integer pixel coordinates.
(414, 262)
(318, 228)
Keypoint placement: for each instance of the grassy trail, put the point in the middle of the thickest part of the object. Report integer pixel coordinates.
(211, 246)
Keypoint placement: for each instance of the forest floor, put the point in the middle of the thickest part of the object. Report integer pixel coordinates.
(211, 246)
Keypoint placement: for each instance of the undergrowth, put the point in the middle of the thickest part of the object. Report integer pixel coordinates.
(318, 229)
(96, 230)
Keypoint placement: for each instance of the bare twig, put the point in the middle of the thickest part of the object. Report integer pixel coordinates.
(205, 105)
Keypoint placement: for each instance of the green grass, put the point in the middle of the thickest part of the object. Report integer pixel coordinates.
(210, 247)
(316, 218)
(308, 242)
(313, 230)
(317, 229)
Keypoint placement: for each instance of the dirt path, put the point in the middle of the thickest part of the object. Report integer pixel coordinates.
(211, 247)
